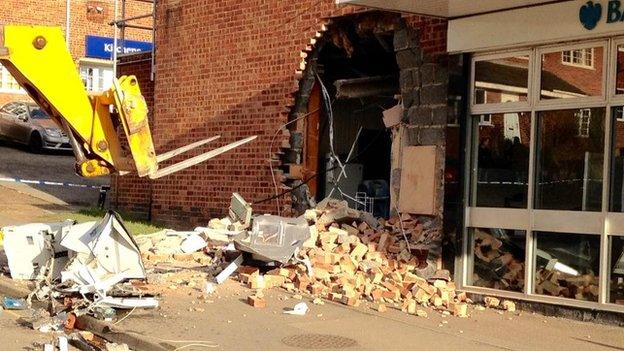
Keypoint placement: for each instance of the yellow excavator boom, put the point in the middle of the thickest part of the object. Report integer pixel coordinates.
(37, 57)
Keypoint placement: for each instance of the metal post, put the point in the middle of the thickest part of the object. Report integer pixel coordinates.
(152, 73)
(115, 34)
(122, 30)
(67, 23)
(585, 181)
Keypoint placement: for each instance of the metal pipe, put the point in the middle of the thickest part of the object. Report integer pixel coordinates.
(153, 71)
(67, 22)
(123, 20)
(76, 147)
(134, 26)
(122, 28)
(115, 33)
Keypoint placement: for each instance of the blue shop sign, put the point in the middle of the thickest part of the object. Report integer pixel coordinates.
(591, 13)
(102, 47)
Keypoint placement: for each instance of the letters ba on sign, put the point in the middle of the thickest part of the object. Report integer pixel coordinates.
(102, 47)
(593, 12)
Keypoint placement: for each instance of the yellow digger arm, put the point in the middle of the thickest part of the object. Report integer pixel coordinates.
(36, 56)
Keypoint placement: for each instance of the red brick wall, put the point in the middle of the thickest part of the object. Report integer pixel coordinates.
(433, 33)
(228, 68)
(130, 192)
(52, 13)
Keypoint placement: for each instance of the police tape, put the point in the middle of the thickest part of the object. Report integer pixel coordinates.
(47, 182)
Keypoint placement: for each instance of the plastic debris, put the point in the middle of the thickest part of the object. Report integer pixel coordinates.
(209, 288)
(300, 309)
(193, 243)
(11, 303)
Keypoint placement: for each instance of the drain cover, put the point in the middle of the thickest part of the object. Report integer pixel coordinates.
(318, 341)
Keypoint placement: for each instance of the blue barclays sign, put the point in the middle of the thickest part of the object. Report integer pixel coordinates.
(102, 47)
(591, 13)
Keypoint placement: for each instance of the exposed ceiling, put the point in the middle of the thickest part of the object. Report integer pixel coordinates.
(447, 8)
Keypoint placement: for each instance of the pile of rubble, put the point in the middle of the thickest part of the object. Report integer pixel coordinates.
(496, 265)
(331, 252)
(556, 283)
(352, 257)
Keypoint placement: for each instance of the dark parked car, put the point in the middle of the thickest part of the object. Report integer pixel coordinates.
(26, 123)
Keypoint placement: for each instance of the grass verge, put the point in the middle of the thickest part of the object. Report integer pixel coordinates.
(134, 225)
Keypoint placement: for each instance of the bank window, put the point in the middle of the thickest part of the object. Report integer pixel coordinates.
(567, 265)
(580, 57)
(565, 73)
(96, 78)
(569, 168)
(537, 185)
(619, 77)
(501, 160)
(498, 258)
(616, 270)
(7, 82)
(584, 120)
(501, 80)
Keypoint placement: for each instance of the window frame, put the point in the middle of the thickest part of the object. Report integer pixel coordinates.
(561, 103)
(506, 106)
(604, 224)
(7, 80)
(579, 65)
(101, 67)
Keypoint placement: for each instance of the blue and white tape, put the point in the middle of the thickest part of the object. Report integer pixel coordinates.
(47, 182)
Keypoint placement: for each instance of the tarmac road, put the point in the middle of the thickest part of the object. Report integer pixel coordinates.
(18, 162)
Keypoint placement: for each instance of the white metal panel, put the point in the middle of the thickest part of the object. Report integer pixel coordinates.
(568, 221)
(506, 218)
(526, 26)
(444, 8)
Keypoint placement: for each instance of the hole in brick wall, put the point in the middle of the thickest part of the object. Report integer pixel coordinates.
(358, 68)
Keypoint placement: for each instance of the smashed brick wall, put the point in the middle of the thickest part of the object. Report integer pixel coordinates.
(233, 69)
(227, 68)
(424, 84)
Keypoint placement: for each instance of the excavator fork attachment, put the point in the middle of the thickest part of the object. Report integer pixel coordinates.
(38, 59)
(199, 158)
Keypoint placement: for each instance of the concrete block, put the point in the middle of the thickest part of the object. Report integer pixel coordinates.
(427, 73)
(432, 136)
(406, 81)
(434, 94)
(439, 115)
(419, 115)
(406, 38)
(409, 58)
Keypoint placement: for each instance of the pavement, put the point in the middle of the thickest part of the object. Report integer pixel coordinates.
(191, 320)
(225, 321)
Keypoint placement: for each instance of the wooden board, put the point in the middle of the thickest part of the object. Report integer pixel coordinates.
(418, 180)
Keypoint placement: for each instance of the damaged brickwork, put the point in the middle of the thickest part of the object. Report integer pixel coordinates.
(424, 84)
(236, 81)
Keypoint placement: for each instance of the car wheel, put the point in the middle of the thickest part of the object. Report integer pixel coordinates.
(36, 144)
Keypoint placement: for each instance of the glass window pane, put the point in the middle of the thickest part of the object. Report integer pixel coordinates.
(502, 159)
(617, 161)
(567, 265)
(570, 154)
(498, 259)
(619, 82)
(501, 80)
(572, 73)
(616, 270)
